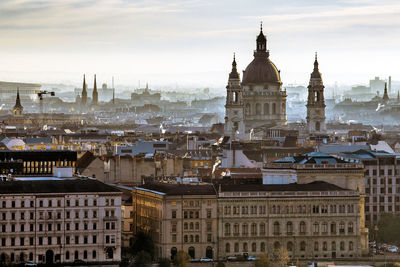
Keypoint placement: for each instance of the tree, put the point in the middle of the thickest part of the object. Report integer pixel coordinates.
(262, 261)
(142, 259)
(281, 257)
(143, 242)
(181, 259)
(388, 229)
(164, 263)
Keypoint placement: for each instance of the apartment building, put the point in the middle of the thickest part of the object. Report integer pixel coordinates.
(54, 220)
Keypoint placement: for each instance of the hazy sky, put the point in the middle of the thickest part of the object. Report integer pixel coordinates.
(191, 42)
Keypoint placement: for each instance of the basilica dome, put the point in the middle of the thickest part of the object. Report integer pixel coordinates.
(261, 69)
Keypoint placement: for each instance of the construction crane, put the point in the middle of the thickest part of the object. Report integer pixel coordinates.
(40, 95)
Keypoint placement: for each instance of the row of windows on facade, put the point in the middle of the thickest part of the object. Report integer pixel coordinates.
(22, 256)
(54, 203)
(383, 199)
(374, 172)
(276, 209)
(191, 226)
(382, 190)
(323, 246)
(381, 208)
(58, 215)
(266, 110)
(191, 238)
(192, 203)
(42, 227)
(316, 228)
(191, 214)
(48, 163)
(11, 241)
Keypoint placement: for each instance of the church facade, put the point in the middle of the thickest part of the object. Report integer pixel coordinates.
(259, 95)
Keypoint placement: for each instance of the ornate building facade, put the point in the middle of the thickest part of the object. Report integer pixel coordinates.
(316, 102)
(314, 220)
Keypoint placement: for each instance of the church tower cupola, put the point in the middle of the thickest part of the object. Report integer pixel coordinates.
(316, 102)
(261, 41)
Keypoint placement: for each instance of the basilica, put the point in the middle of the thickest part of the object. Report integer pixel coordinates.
(258, 101)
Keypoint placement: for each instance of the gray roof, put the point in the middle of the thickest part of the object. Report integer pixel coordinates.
(55, 187)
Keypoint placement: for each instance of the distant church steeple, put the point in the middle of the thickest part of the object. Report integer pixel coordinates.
(18, 108)
(95, 94)
(385, 97)
(84, 92)
(316, 102)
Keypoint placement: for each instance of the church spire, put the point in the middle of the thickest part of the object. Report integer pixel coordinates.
(234, 73)
(18, 108)
(84, 92)
(385, 97)
(95, 94)
(316, 73)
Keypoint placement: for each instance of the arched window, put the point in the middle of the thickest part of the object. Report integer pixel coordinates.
(302, 228)
(227, 229)
(67, 255)
(324, 246)
(227, 247)
(245, 229)
(185, 226)
(191, 239)
(247, 109)
(302, 246)
(245, 247)
(253, 247)
(236, 247)
(277, 245)
(262, 247)
(253, 229)
(185, 238)
(266, 109)
(276, 228)
(333, 246)
(191, 252)
(174, 250)
(191, 226)
(289, 246)
(342, 245)
(316, 228)
(31, 256)
(94, 254)
(236, 229)
(350, 227)
(273, 209)
(85, 254)
(273, 108)
(289, 228)
(324, 227)
(262, 229)
(316, 246)
(197, 239)
(76, 256)
(317, 126)
(258, 109)
(235, 97)
(351, 245)
(341, 228)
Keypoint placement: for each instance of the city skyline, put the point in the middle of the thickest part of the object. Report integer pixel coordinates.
(191, 43)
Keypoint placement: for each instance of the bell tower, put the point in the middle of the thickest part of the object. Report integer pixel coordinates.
(234, 111)
(316, 102)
